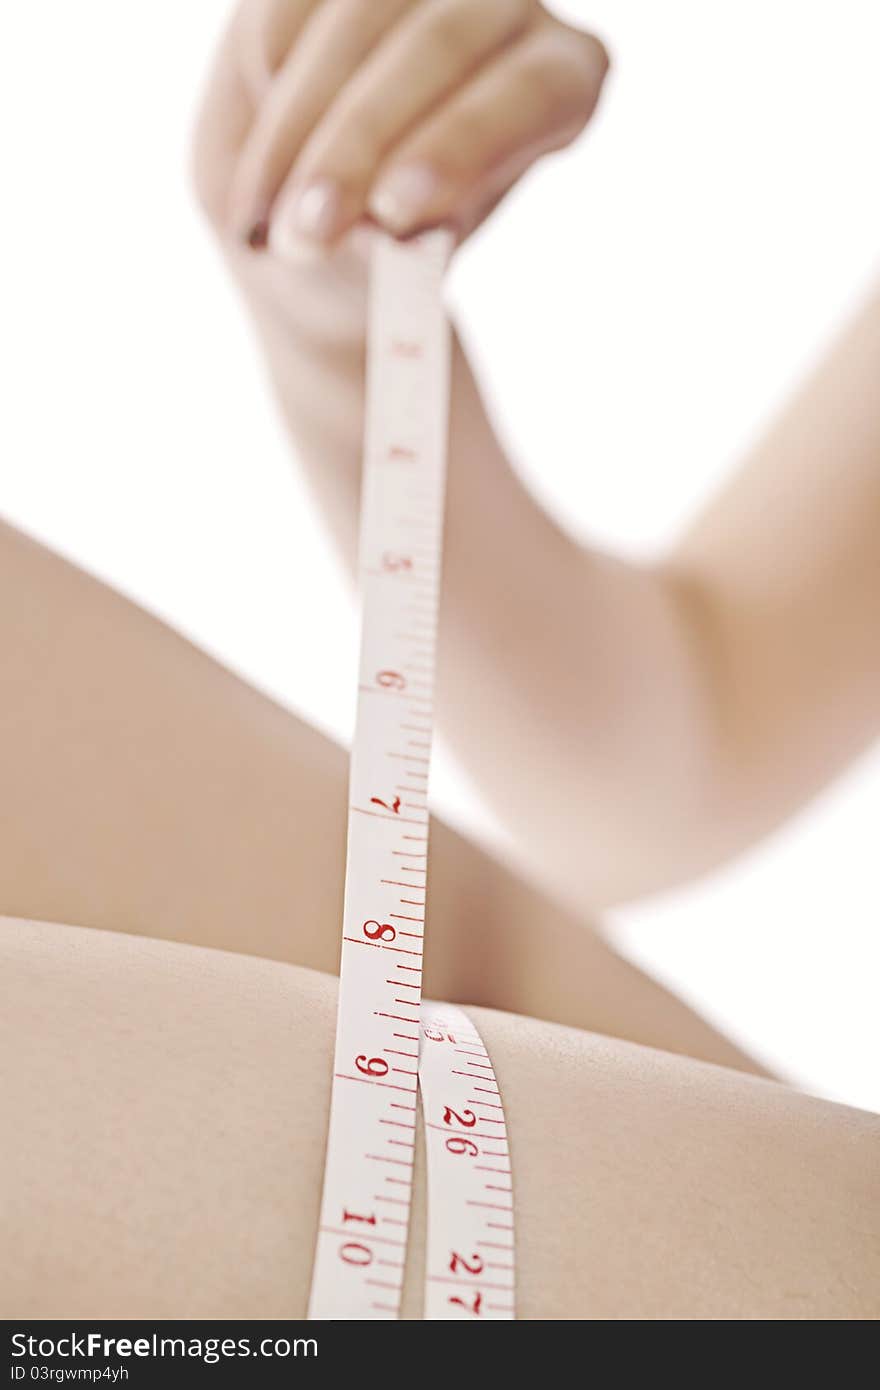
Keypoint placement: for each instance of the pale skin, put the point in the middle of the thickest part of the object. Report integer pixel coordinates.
(168, 1107)
(743, 671)
(705, 698)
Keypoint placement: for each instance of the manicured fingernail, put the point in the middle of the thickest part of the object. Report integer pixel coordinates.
(314, 211)
(403, 196)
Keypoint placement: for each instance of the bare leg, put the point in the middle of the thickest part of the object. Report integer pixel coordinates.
(146, 789)
(135, 1075)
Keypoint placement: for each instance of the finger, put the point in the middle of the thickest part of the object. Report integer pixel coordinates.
(426, 56)
(331, 44)
(268, 30)
(537, 96)
(222, 124)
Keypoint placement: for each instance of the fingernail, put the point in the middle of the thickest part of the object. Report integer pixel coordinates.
(257, 236)
(314, 211)
(403, 196)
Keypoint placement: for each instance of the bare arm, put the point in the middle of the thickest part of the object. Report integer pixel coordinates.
(639, 724)
(670, 716)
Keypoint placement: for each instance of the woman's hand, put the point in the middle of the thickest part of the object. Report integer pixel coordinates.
(409, 113)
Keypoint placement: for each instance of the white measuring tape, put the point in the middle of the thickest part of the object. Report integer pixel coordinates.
(470, 1265)
(387, 1042)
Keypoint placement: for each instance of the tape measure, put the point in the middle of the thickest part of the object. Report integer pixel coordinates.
(470, 1252)
(387, 1042)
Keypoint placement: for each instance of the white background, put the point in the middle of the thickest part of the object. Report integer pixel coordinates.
(640, 308)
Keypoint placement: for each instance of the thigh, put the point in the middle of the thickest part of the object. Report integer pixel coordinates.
(166, 1115)
(147, 789)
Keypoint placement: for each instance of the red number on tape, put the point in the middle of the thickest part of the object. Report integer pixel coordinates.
(458, 1145)
(383, 931)
(391, 680)
(473, 1307)
(467, 1118)
(373, 1066)
(354, 1254)
(395, 563)
(353, 1216)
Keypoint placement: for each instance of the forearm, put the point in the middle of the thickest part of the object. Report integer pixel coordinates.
(634, 726)
(568, 683)
(785, 562)
(571, 683)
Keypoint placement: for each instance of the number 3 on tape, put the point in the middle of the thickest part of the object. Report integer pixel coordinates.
(381, 1026)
